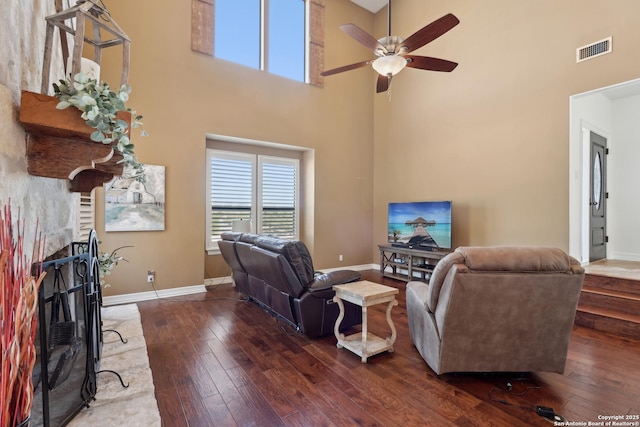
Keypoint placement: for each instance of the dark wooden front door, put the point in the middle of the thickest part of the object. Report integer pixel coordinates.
(598, 198)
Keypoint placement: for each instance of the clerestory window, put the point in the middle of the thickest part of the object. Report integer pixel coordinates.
(283, 37)
(264, 34)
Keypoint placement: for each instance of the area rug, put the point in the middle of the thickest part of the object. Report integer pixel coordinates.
(114, 404)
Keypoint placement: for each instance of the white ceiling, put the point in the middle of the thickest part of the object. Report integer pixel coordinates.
(631, 88)
(371, 5)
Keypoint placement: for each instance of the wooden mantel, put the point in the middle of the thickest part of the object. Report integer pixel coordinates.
(59, 144)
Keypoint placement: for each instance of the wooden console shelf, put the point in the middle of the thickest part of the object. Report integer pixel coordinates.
(408, 264)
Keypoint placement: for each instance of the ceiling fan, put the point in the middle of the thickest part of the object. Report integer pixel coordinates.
(393, 51)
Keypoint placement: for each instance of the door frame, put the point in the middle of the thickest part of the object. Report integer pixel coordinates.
(586, 109)
(579, 191)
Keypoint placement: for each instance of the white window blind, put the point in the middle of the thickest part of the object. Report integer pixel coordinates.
(260, 189)
(85, 220)
(279, 197)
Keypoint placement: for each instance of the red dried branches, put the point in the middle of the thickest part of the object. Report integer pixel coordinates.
(18, 320)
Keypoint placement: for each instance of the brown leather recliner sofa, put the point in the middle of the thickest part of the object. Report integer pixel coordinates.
(279, 275)
(496, 309)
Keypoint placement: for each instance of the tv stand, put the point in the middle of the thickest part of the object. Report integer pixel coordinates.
(404, 263)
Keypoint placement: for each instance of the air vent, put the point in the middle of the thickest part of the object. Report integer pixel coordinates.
(594, 49)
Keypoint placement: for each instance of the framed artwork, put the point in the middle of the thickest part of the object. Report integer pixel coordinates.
(130, 205)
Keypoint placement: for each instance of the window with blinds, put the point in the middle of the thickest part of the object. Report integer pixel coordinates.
(263, 190)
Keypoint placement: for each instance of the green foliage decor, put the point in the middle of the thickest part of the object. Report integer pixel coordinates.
(99, 105)
(107, 261)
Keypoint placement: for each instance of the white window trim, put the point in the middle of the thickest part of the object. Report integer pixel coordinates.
(263, 35)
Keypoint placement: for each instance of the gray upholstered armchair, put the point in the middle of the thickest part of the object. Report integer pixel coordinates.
(496, 309)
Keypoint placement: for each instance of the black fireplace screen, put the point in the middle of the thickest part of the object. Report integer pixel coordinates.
(70, 338)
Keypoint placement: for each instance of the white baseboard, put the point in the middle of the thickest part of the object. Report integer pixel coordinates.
(216, 281)
(361, 267)
(213, 281)
(624, 256)
(150, 295)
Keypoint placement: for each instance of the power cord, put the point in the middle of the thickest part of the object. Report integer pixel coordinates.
(509, 386)
(545, 412)
(153, 285)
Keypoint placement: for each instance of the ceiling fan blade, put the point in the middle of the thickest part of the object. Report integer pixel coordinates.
(428, 63)
(362, 37)
(346, 68)
(383, 83)
(430, 32)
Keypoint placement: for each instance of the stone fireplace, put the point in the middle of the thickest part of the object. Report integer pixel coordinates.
(42, 201)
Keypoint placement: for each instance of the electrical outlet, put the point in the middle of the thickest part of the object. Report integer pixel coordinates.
(151, 276)
(340, 257)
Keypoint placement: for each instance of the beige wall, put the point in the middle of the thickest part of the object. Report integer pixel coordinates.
(185, 95)
(493, 135)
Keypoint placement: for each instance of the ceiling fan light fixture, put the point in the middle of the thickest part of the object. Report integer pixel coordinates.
(389, 65)
(392, 52)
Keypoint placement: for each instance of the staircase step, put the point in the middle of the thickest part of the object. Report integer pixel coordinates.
(610, 304)
(623, 302)
(605, 283)
(609, 321)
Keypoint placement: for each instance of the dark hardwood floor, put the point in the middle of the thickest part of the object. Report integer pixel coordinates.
(220, 361)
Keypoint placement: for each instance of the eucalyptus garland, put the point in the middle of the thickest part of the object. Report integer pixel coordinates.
(99, 105)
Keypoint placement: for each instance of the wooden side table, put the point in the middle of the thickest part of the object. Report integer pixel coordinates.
(365, 294)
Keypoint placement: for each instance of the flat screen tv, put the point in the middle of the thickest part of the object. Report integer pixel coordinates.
(420, 225)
